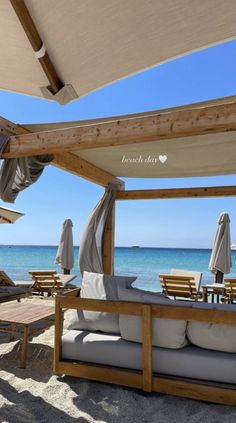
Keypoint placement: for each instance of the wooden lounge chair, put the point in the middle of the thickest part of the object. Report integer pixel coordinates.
(47, 281)
(230, 290)
(182, 284)
(5, 280)
(9, 291)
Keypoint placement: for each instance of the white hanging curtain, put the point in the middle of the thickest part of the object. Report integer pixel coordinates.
(18, 174)
(90, 252)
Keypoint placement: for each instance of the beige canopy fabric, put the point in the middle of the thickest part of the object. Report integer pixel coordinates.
(220, 260)
(93, 43)
(9, 216)
(185, 157)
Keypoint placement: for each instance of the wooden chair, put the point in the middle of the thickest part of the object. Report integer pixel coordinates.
(46, 281)
(230, 290)
(181, 286)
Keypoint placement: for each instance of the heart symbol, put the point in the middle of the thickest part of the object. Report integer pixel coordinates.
(162, 158)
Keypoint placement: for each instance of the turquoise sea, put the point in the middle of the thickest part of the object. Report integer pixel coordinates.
(145, 263)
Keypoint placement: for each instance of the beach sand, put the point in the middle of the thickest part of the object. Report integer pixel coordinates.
(35, 394)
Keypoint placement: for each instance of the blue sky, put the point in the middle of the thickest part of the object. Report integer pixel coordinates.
(171, 223)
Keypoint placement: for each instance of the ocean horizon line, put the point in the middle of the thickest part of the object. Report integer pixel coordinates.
(134, 247)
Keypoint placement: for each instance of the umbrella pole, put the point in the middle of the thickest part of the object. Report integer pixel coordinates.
(66, 271)
(219, 277)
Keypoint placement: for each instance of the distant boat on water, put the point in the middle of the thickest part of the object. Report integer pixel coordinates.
(138, 246)
(233, 246)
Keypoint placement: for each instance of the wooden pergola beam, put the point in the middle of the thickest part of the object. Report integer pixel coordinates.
(68, 161)
(81, 167)
(36, 42)
(154, 127)
(8, 128)
(161, 194)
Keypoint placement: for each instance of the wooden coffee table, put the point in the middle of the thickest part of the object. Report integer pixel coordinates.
(25, 315)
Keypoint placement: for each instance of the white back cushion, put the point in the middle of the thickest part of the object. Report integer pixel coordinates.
(213, 336)
(100, 287)
(166, 333)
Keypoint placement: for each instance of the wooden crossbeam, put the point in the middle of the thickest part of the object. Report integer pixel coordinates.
(68, 161)
(7, 127)
(161, 194)
(158, 126)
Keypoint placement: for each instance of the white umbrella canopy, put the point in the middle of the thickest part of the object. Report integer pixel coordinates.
(221, 261)
(8, 215)
(65, 251)
(85, 45)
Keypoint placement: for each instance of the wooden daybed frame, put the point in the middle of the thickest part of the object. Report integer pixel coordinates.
(145, 379)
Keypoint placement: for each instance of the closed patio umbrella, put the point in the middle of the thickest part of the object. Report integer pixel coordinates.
(65, 251)
(220, 261)
(8, 215)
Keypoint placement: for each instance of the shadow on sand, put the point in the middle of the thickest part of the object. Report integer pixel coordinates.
(24, 407)
(39, 362)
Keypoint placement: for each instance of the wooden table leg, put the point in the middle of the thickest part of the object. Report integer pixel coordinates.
(204, 295)
(13, 331)
(24, 347)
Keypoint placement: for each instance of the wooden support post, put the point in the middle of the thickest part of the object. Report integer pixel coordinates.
(109, 244)
(147, 347)
(58, 333)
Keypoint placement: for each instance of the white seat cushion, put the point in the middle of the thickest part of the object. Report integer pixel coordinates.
(111, 350)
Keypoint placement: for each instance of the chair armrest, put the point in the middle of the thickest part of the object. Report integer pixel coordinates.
(74, 292)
